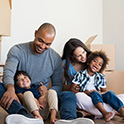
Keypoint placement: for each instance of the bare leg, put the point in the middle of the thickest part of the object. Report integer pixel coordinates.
(122, 112)
(107, 115)
(84, 102)
(53, 104)
(53, 118)
(36, 114)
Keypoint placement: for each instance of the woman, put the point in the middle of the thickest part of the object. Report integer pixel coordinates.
(74, 57)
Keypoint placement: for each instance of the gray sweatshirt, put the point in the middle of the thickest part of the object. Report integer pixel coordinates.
(41, 67)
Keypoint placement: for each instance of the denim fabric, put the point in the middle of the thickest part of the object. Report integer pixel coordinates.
(15, 107)
(67, 102)
(109, 98)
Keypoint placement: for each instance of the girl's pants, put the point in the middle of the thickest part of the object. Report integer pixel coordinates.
(108, 97)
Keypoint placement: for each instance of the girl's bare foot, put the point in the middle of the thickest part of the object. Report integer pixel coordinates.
(107, 116)
(122, 112)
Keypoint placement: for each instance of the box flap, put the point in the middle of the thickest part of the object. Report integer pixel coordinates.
(89, 41)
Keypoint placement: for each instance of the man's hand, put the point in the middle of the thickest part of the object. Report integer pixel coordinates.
(8, 97)
(42, 89)
(74, 88)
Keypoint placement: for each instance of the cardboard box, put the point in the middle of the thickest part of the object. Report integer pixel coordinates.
(115, 81)
(5, 20)
(108, 48)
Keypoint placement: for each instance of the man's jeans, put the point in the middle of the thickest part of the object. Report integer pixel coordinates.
(15, 107)
(67, 102)
(108, 97)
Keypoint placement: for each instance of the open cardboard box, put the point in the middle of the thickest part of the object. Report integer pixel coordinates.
(109, 49)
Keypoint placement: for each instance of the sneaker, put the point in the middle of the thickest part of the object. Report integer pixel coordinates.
(75, 121)
(21, 119)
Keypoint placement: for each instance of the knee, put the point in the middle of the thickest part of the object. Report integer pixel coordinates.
(52, 94)
(110, 93)
(68, 95)
(94, 93)
(51, 91)
(27, 94)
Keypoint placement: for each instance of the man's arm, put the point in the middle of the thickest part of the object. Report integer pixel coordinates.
(8, 75)
(8, 97)
(57, 77)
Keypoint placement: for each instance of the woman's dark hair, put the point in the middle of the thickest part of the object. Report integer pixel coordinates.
(20, 73)
(68, 51)
(100, 54)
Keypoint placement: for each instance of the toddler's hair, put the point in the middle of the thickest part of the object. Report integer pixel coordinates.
(20, 73)
(100, 54)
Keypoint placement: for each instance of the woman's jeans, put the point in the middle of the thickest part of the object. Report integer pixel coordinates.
(67, 102)
(108, 97)
(15, 107)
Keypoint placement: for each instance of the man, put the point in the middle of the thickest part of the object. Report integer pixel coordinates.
(42, 63)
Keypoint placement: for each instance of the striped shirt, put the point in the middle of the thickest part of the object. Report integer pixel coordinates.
(82, 78)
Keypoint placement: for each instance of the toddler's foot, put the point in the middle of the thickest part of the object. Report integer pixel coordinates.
(107, 116)
(53, 118)
(37, 115)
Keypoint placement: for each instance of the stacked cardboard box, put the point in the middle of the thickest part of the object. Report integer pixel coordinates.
(5, 20)
(5, 23)
(114, 78)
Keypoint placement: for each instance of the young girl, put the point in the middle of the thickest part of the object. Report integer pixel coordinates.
(93, 83)
(24, 88)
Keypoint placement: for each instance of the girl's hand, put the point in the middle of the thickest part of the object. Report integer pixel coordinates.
(89, 91)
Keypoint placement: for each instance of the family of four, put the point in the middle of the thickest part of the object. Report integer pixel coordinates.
(76, 82)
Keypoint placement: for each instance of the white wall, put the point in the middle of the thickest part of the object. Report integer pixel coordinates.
(113, 28)
(72, 18)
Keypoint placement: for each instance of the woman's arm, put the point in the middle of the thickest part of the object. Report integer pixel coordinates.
(71, 87)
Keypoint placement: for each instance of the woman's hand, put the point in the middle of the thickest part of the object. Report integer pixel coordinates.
(74, 88)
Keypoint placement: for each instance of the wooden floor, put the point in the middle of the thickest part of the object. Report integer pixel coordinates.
(115, 120)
